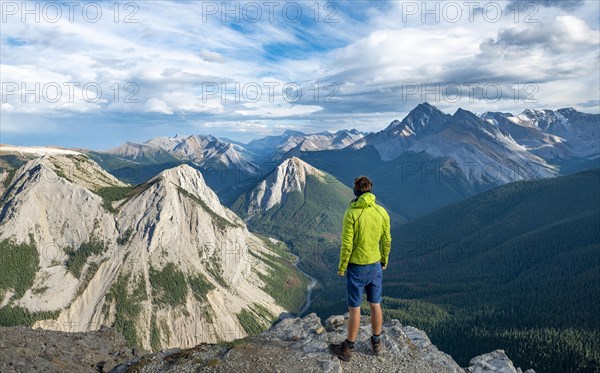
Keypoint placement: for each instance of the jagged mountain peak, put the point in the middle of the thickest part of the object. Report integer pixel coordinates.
(296, 166)
(169, 203)
(464, 114)
(166, 143)
(290, 176)
(425, 118)
(473, 122)
(426, 107)
(189, 182)
(546, 119)
(568, 111)
(494, 116)
(201, 149)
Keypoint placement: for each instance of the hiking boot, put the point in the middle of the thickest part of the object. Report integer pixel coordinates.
(342, 351)
(377, 347)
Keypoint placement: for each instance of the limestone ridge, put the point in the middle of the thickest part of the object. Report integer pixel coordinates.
(52, 199)
(304, 342)
(169, 264)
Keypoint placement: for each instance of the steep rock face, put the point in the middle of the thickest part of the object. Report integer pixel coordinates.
(290, 176)
(49, 194)
(172, 267)
(179, 220)
(301, 345)
(50, 200)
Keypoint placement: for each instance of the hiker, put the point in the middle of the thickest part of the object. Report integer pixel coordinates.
(366, 243)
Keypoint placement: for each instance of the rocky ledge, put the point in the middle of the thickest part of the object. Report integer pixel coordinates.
(25, 350)
(301, 345)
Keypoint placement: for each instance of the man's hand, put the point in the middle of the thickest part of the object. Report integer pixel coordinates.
(383, 266)
(341, 273)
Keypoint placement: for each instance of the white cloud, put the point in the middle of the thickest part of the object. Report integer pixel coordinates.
(278, 110)
(369, 53)
(7, 108)
(155, 105)
(211, 56)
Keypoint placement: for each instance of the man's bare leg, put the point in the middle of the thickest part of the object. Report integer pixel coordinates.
(376, 318)
(353, 323)
(376, 325)
(345, 349)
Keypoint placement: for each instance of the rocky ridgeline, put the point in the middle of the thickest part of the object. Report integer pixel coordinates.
(166, 262)
(292, 345)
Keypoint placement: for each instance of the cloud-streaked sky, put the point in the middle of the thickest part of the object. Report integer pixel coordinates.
(91, 75)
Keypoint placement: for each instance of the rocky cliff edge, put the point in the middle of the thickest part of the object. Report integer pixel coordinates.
(301, 345)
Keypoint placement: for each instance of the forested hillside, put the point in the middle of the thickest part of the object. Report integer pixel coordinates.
(518, 267)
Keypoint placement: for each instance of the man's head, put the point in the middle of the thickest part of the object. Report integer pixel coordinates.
(362, 184)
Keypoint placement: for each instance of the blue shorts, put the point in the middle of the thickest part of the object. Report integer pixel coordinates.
(367, 277)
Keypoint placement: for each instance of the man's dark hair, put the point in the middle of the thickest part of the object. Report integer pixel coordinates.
(362, 184)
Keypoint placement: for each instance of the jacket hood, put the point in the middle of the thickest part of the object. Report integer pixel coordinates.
(365, 200)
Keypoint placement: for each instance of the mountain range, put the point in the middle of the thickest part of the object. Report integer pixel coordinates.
(426, 161)
(189, 239)
(295, 142)
(164, 262)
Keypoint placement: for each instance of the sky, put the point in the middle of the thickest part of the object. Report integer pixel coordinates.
(96, 74)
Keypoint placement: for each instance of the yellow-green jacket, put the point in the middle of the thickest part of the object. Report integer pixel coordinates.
(366, 235)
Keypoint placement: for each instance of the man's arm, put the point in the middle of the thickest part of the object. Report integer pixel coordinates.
(386, 240)
(347, 242)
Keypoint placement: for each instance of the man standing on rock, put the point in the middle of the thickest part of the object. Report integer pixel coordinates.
(366, 243)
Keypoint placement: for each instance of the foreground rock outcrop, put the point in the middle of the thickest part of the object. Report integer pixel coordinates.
(26, 350)
(301, 345)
